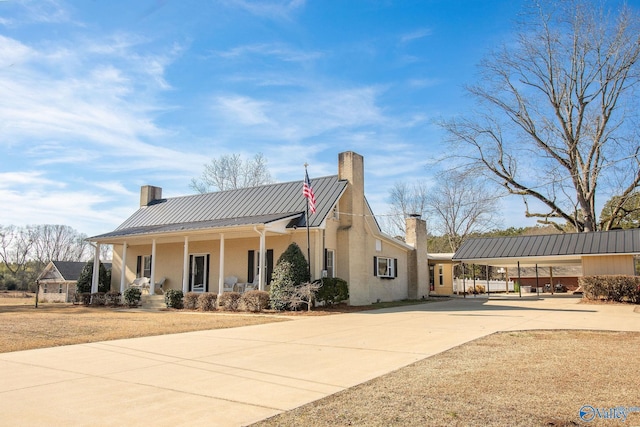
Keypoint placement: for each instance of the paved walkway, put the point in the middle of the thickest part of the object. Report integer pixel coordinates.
(238, 376)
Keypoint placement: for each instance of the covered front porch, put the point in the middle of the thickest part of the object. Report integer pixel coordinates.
(199, 260)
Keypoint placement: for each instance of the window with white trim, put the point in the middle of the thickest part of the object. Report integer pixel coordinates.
(440, 275)
(385, 267)
(143, 266)
(330, 262)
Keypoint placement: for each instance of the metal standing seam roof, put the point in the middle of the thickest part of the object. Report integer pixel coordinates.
(245, 206)
(595, 243)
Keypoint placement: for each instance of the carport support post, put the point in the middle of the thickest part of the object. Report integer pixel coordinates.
(519, 281)
(464, 282)
(488, 290)
(537, 284)
(551, 279)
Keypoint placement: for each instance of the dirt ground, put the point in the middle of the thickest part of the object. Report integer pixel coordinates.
(538, 378)
(22, 327)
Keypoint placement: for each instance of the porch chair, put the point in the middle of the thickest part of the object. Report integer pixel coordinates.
(159, 284)
(140, 282)
(229, 283)
(253, 285)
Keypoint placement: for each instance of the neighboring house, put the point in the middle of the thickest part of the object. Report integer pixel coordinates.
(596, 253)
(194, 242)
(57, 281)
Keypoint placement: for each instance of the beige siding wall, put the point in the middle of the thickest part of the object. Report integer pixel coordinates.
(169, 257)
(605, 265)
(447, 279)
(53, 293)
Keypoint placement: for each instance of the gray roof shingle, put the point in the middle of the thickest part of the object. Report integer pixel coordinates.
(245, 206)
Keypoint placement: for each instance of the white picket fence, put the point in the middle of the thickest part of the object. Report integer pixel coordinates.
(491, 285)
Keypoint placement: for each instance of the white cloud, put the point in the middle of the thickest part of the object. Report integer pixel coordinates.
(277, 50)
(244, 110)
(415, 35)
(274, 9)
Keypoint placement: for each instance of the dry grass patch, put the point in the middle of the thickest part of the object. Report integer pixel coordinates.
(534, 378)
(22, 327)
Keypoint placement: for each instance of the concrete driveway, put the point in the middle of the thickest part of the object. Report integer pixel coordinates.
(238, 376)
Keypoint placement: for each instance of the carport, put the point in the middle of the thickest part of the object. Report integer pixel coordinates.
(598, 253)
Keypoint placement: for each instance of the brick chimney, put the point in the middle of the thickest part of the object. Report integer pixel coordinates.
(352, 230)
(148, 194)
(418, 264)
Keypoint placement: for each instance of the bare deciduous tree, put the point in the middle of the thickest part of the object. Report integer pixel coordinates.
(460, 205)
(559, 109)
(58, 243)
(15, 246)
(230, 172)
(405, 199)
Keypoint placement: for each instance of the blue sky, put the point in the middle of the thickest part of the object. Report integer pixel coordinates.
(100, 97)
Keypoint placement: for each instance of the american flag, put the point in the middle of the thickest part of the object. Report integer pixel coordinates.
(307, 192)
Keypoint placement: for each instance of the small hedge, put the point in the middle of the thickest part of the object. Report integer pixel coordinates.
(479, 289)
(333, 291)
(113, 298)
(84, 298)
(254, 300)
(611, 288)
(132, 296)
(191, 300)
(173, 298)
(207, 301)
(230, 300)
(98, 298)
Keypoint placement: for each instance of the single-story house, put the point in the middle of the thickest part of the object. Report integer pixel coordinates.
(57, 281)
(195, 242)
(596, 253)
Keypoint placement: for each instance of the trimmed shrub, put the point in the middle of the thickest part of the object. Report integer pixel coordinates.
(98, 298)
(282, 286)
(254, 301)
(113, 298)
(207, 301)
(132, 296)
(611, 288)
(173, 298)
(299, 265)
(230, 300)
(84, 298)
(83, 284)
(479, 289)
(191, 300)
(332, 291)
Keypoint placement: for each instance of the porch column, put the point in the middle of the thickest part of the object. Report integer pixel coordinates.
(263, 258)
(96, 270)
(185, 266)
(123, 273)
(153, 267)
(221, 274)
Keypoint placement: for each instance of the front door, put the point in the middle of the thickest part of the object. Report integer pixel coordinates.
(199, 273)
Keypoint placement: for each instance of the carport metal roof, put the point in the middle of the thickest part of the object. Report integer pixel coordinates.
(552, 249)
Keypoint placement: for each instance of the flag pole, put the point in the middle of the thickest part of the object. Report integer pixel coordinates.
(307, 223)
